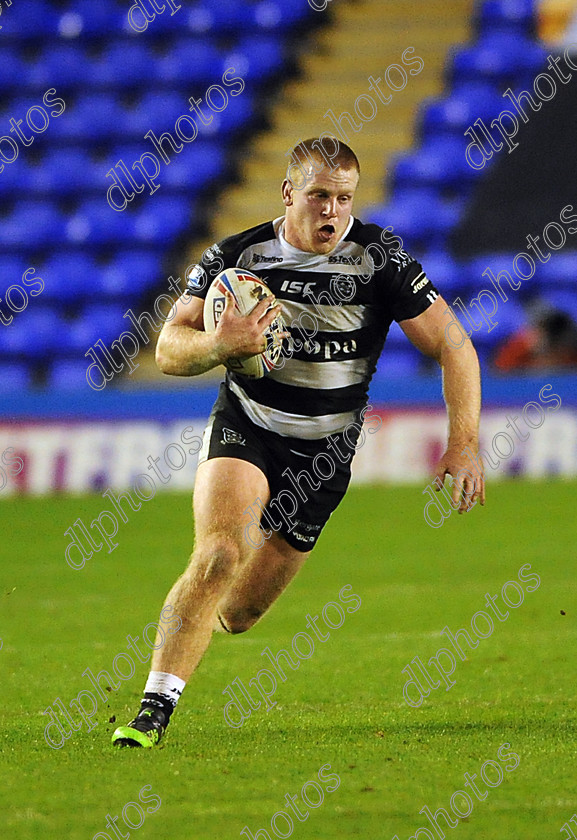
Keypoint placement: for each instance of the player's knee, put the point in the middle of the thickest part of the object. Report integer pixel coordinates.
(218, 561)
(239, 621)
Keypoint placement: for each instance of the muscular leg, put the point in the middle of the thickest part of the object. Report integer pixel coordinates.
(259, 582)
(224, 570)
(225, 573)
(224, 488)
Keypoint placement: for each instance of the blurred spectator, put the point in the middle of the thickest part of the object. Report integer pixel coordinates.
(550, 342)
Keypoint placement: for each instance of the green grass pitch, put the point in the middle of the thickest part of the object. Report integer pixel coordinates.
(344, 706)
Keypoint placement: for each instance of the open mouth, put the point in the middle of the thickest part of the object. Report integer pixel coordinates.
(326, 231)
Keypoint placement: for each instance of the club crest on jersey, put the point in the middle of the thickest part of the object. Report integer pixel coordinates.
(230, 436)
(196, 277)
(343, 287)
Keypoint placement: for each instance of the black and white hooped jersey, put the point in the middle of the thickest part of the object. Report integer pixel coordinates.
(338, 308)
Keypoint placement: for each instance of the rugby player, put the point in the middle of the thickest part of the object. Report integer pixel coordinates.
(260, 429)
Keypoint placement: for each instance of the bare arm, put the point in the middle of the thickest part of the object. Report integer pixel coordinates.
(185, 349)
(462, 392)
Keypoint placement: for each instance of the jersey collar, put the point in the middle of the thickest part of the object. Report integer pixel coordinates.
(278, 225)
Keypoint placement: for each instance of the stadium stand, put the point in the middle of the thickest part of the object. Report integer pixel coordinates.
(437, 199)
(117, 84)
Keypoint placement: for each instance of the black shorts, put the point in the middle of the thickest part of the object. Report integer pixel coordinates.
(316, 472)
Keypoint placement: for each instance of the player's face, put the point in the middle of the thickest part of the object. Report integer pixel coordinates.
(317, 215)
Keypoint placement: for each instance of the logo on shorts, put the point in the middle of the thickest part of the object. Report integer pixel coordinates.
(230, 436)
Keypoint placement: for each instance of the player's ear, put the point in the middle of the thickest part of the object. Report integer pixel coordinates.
(287, 192)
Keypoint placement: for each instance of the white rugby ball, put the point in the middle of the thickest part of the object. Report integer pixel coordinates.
(247, 290)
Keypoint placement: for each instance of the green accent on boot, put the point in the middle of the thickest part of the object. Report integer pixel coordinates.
(143, 731)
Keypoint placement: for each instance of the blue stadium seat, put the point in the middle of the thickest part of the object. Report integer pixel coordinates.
(17, 106)
(124, 63)
(396, 338)
(15, 376)
(500, 57)
(97, 223)
(531, 58)
(268, 15)
(133, 153)
(31, 20)
(68, 374)
(455, 113)
(165, 25)
(68, 277)
(59, 64)
(224, 16)
(189, 61)
(12, 69)
(160, 221)
(399, 362)
(195, 167)
(179, 172)
(96, 321)
(129, 274)
(157, 110)
(509, 317)
(439, 162)
(506, 15)
(14, 178)
(128, 153)
(497, 263)
(420, 216)
(93, 117)
(237, 115)
(11, 271)
(35, 333)
(279, 15)
(85, 17)
(66, 172)
(32, 224)
(559, 271)
(256, 57)
(483, 60)
(444, 272)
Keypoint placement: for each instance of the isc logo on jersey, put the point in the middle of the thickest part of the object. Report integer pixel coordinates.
(343, 287)
(297, 287)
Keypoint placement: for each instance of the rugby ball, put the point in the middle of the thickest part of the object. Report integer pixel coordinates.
(247, 290)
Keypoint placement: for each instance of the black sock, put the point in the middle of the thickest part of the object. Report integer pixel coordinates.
(159, 703)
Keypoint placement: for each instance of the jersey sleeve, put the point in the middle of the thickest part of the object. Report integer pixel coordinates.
(411, 290)
(199, 276)
(224, 254)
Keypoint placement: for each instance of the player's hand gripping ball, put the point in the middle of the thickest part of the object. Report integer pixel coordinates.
(247, 290)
